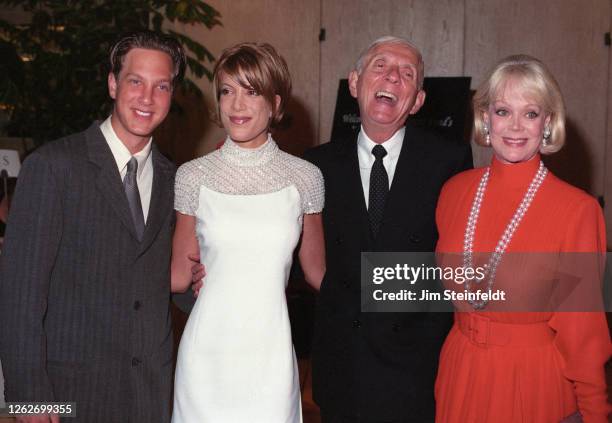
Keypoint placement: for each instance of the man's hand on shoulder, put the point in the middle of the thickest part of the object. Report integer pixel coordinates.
(197, 274)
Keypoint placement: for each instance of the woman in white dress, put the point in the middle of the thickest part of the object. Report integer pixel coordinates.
(243, 208)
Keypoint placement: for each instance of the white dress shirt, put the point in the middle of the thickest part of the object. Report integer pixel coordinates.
(366, 159)
(144, 176)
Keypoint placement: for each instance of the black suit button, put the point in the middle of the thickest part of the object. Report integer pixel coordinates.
(356, 323)
(339, 240)
(136, 305)
(346, 283)
(135, 362)
(396, 327)
(415, 239)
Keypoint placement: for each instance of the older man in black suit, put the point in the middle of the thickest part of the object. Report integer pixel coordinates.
(84, 288)
(381, 192)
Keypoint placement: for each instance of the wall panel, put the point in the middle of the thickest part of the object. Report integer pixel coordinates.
(568, 36)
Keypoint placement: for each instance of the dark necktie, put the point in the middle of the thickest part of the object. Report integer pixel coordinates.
(379, 187)
(133, 196)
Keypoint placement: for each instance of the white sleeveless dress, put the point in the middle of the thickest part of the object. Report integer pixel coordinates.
(236, 362)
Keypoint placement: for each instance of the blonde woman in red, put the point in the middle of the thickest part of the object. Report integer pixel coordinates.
(537, 366)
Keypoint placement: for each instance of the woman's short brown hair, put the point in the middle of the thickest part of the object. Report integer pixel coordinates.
(259, 67)
(534, 78)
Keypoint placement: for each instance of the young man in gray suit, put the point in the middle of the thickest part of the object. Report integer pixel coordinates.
(84, 277)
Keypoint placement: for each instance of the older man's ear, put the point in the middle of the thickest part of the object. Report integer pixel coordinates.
(352, 81)
(418, 103)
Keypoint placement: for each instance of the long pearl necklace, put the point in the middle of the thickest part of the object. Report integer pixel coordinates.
(470, 229)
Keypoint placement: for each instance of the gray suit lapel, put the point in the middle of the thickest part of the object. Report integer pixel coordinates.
(161, 198)
(108, 182)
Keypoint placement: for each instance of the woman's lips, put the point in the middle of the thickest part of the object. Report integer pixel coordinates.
(239, 120)
(515, 141)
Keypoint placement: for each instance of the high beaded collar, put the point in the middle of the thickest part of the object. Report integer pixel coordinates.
(241, 156)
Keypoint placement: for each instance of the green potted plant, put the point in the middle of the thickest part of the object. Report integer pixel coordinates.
(53, 74)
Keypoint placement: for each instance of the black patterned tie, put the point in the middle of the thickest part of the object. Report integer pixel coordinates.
(133, 196)
(379, 187)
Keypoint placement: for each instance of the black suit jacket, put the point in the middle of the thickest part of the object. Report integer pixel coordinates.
(379, 366)
(84, 306)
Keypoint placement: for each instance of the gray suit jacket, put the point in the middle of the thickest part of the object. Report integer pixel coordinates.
(84, 306)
